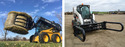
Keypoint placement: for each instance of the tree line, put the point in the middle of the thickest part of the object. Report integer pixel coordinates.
(16, 38)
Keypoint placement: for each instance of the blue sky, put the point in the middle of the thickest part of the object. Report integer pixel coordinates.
(45, 8)
(96, 5)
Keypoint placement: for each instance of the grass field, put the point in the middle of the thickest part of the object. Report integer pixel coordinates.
(27, 44)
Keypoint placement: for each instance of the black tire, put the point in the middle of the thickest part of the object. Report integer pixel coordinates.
(31, 38)
(73, 22)
(84, 35)
(42, 39)
(54, 38)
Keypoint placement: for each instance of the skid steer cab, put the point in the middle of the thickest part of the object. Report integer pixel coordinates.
(84, 21)
(46, 31)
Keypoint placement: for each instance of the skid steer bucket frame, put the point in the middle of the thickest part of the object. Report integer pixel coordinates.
(78, 29)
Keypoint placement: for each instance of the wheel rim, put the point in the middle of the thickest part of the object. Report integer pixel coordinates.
(45, 38)
(57, 39)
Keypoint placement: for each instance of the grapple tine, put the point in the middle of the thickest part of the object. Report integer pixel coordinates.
(122, 27)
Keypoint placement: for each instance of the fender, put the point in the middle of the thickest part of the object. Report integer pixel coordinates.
(80, 17)
(93, 16)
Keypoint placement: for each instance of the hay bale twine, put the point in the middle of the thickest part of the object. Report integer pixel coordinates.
(18, 22)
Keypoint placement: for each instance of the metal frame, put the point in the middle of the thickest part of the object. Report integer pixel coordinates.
(29, 22)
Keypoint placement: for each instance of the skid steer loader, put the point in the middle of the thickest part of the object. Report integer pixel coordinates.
(46, 31)
(84, 21)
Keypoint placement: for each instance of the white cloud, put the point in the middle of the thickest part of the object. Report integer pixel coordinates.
(48, 1)
(2, 3)
(14, 1)
(50, 13)
(3, 14)
(43, 7)
(37, 10)
(37, 5)
(34, 12)
(96, 5)
(59, 7)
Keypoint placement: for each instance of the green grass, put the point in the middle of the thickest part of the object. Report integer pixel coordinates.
(100, 12)
(28, 44)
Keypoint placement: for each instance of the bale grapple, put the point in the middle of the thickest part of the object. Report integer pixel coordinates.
(81, 29)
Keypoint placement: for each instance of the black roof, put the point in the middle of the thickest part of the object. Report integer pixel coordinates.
(52, 23)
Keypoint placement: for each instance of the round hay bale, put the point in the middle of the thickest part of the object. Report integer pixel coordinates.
(17, 22)
(25, 14)
(19, 31)
(10, 20)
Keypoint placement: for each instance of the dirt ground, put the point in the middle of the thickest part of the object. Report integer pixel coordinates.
(99, 38)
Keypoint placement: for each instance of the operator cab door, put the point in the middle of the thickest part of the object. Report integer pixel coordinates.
(42, 26)
(84, 11)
